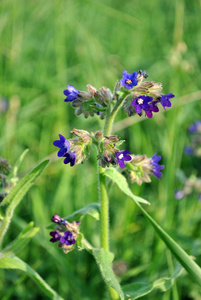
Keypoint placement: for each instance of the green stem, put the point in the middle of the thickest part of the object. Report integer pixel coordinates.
(104, 213)
(110, 119)
(103, 196)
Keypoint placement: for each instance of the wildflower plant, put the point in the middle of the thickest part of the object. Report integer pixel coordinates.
(115, 164)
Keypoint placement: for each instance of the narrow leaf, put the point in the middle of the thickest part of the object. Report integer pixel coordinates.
(17, 193)
(17, 164)
(186, 261)
(21, 241)
(92, 209)
(138, 289)
(16, 263)
(120, 180)
(104, 260)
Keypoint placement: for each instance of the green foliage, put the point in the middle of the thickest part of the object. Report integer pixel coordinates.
(46, 45)
(138, 289)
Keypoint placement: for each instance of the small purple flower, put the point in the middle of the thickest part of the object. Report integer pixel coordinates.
(67, 239)
(143, 103)
(55, 236)
(199, 197)
(188, 150)
(63, 144)
(164, 100)
(196, 126)
(123, 156)
(71, 93)
(70, 157)
(57, 219)
(129, 80)
(156, 167)
(179, 194)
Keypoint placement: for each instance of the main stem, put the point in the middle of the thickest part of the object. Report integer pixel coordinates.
(103, 196)
(104, 213)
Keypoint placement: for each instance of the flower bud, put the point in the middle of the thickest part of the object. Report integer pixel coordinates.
(76, 103)
(99, 136)
(92, 90)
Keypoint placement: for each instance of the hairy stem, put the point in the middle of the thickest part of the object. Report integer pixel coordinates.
(111, 117)
(104, 214)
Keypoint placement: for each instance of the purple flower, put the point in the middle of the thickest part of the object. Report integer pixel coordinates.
(143, 103)
(199, 197)
(57, 219)
(129, 80)
(63, 144)
(71, 93)
(67, 239)
(155, 166)
(179, 194)
(70, 157)
(55, 236)
(164, 100)
(195, 127)
(123, 156)
(188, 150)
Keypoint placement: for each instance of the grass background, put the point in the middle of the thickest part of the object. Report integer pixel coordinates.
(44, 46)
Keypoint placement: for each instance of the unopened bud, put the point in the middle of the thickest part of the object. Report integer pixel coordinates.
(98, 136)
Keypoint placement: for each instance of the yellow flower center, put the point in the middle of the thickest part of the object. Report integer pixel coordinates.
(128, 81)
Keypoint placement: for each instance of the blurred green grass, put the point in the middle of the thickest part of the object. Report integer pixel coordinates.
(46, 45)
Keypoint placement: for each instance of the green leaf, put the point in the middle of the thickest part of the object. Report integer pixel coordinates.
(104, 260)
(21, 241)
(92, 209)
(17, 164)
(16, 263)
(186, 261)
(138, 289)
(17, 193)
(120, 180)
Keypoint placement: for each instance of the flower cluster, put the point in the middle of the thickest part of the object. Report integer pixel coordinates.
(138, 97)
(65, 233)
(74, 150)
(143, 96)
(88, 103)
(141, 167)
(195, 136)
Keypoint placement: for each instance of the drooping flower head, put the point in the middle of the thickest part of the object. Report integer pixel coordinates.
(67, 239)
(71, 93)
(70, 157)
(165, 100)
(55, 236)
(155, 166)
(123, 156)
(129, 80)
(63, 144)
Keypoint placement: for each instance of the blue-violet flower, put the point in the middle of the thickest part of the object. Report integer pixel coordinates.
(143, 103)
(55, 236)
(164, 100)
(67, 239)
(195, 127)
(70, 157)
(129, 80)
(123, 156)
(63, 144)
(156, 167)
(71, 93)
